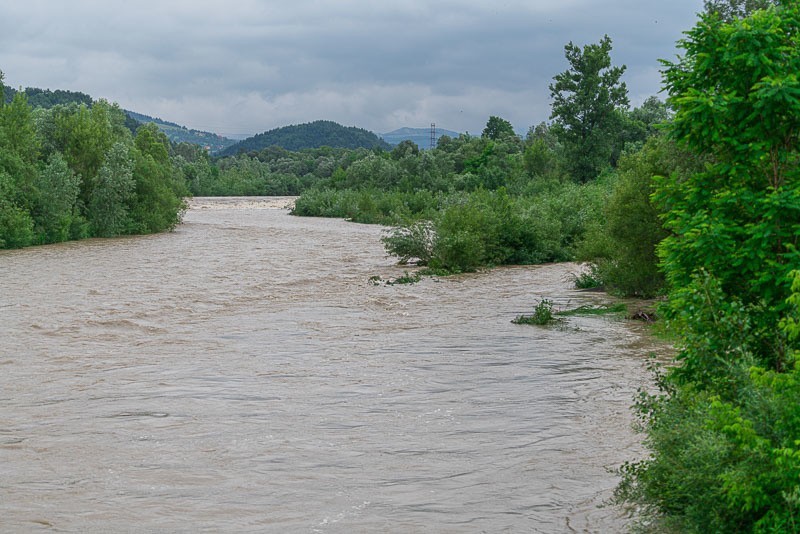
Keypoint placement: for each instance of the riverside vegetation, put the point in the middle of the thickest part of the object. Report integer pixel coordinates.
(696, 200)
(74, 171)
(724, 430)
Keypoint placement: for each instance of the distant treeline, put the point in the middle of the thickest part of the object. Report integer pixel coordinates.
(45, 98)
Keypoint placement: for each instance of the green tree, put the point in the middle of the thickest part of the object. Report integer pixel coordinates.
(623, 243)
(737, 99)
(724, 430)
(736, 9)
(56, 203)
(587, 100)
(84, 136)
(16, 223)
(497, 129)
(157, 204)
(153, 142)
(113, 193)
(18, 130)
(19, 150)
(405, 148)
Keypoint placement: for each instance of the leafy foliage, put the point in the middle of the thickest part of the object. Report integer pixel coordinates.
(622, 244)
(413, 242)
(729, 10)
(724, 430)
(737, 96)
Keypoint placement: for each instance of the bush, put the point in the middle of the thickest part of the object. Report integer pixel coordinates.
(458, 252)
(588, 280)
(542, 315)
(720, 466)
(622, 243)
(415, 241)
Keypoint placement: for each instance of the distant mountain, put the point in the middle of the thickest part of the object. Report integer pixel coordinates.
(310, 135)
(181, 134)
(421, 136)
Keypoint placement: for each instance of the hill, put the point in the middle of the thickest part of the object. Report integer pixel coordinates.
(420, 136)
(181, 134)
(310, 135)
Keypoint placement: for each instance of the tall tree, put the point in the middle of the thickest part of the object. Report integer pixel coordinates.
(724, 434)
(498, 128)
(113, 193)
(54, 213)
(736, 9)
(737, 98)
(587, 99)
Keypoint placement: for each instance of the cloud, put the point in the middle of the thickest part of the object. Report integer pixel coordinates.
(255, 65)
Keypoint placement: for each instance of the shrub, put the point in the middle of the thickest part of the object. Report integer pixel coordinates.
(542, 314)
(588, 279)
(415, 241)
(622, 244)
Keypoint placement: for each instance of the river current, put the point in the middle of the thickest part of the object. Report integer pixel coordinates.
(242, 374)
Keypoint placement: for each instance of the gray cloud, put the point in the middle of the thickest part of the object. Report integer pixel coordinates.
(255, 65)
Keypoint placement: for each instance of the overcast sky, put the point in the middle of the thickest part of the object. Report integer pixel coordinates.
(248, 66)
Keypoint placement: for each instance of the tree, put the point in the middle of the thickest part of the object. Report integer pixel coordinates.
(405, 148)
(157, 204)
(113, 193)
(542, 152)
(723, 433)
(55, 209)
(18, 131)
(736, 9)
(84, 136)
(19, 149)
(587, 99)
(737, 99)
(623, 245)
(497, 128)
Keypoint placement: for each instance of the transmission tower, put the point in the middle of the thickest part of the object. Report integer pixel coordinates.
(433, 135)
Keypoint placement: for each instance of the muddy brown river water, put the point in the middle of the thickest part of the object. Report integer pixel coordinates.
(241, 374)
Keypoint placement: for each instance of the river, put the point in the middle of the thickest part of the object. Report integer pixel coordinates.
(242, 374)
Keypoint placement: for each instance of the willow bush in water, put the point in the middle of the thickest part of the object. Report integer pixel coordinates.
(725, 430)
(481, 228)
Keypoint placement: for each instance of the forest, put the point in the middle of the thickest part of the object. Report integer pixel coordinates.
(694, 200)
